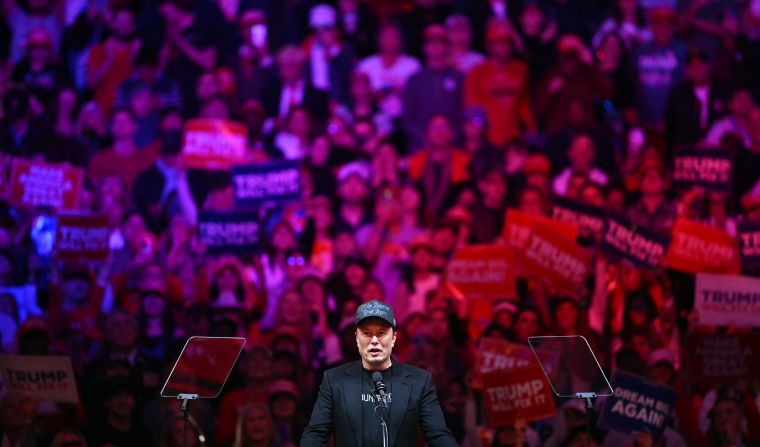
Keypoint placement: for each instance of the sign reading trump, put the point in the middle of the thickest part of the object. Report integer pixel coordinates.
(271, 182)
(82, 237)
(224, 232)
(520, 392)
(727, 300)
(47, 378)
(213, 144)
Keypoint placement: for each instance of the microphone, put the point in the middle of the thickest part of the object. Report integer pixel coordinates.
(380, 388)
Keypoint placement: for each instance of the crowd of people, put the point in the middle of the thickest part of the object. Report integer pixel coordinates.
(416, 126)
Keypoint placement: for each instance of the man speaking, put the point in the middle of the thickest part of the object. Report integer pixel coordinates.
(362, 401)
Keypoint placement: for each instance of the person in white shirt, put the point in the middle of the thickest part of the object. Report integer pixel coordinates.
(460, 40)
(389, 69)
(581, 153)
(740, 105)
(330, 61)
(291, 63)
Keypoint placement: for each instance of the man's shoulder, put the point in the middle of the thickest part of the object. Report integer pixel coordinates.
(412, 372)
(342, 369)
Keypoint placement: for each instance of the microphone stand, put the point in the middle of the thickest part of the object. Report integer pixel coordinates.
(589, 398)
(380, 411)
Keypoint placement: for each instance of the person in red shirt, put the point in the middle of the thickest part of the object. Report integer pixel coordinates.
(500, 85)
(123, 159)
(110, 62)
(440, 165)
(256, 364)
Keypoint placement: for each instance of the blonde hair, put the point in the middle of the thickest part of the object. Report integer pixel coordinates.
(240, 437)
(58, 440)
(166, 438)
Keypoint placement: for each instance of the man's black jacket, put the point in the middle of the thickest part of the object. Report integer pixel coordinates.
(414, 407)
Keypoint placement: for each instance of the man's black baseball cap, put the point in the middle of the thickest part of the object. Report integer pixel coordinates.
(375, 309)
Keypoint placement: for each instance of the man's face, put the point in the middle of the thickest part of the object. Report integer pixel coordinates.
(582, 153)
(698, 71)
(124, 24)
(283, 406)
(389, 40)
(499, 49)
(76, 290)
(353, 189)
(726, 417)
(662, 30)
(493, 187)
(435, 48)
(123, 332)
(291, 69)
(375, 339)
(123, 126)
(741, 103)
(439, 132)
(121, 404)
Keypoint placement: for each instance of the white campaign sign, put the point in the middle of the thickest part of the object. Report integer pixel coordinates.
(727, 300)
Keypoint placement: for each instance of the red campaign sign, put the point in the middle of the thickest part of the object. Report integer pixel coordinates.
(559, 261)
(213, 144)
(500, 355)
(517, 393)
(519, 226)
(82, 237)
(35, 184)
(482, 271)
(697, 248)
(711, 359)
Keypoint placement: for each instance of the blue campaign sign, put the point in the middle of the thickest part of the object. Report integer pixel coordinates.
(637, 405)
(709, 168)
(749, 244)
(642, 247)
(591, 220)
(271, 182)
(229, 232)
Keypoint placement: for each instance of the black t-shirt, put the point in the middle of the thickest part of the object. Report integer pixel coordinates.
(371, 427)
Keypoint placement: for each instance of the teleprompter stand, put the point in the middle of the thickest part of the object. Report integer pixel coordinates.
(201, 370)
(572, 370)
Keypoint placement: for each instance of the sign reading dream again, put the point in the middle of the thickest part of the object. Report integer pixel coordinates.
(482, 271)
(637, 405)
